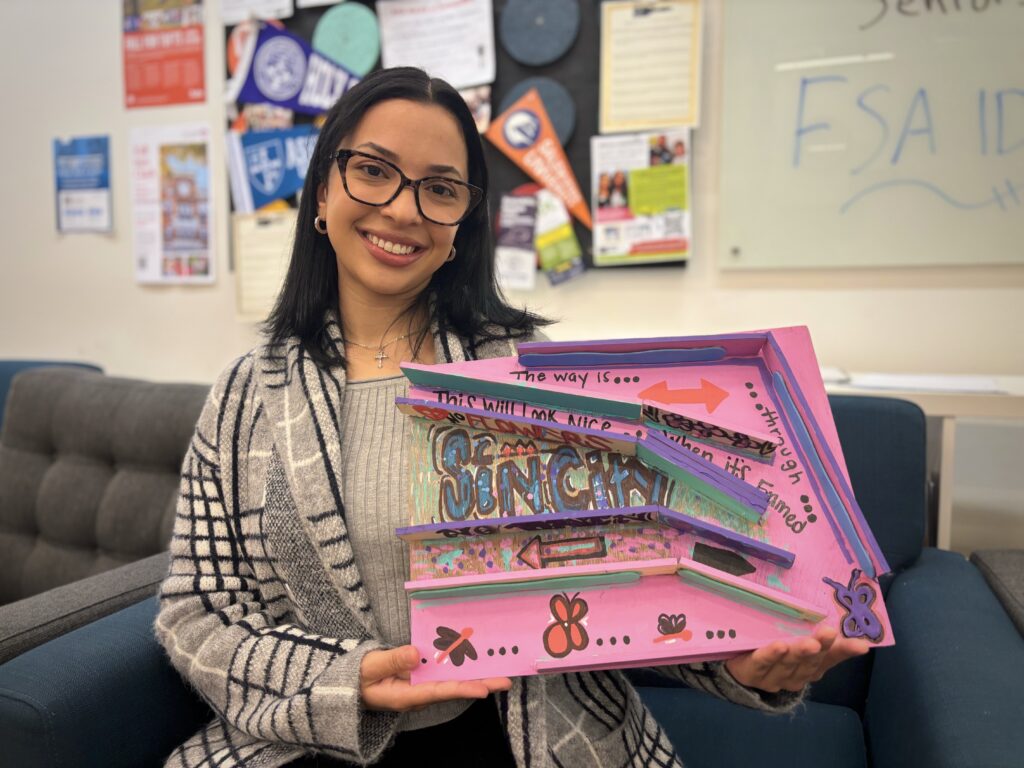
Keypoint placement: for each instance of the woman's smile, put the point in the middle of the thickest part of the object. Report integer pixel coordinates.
(390, 249)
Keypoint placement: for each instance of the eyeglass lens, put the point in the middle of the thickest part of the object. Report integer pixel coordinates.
(375, 182)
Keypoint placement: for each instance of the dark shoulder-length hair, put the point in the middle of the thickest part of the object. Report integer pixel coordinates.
(466, 297)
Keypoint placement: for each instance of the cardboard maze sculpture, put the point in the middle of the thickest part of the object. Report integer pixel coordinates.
(630, 503)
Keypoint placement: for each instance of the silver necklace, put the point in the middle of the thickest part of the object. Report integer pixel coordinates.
(381, 355)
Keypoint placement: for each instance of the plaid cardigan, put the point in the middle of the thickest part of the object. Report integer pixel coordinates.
(264, 611)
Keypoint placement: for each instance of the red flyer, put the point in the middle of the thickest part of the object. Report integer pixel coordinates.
(163, 53)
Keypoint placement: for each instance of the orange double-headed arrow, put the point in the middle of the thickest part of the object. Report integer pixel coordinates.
(707, 394)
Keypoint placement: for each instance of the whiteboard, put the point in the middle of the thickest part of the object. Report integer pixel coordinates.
(872, 133)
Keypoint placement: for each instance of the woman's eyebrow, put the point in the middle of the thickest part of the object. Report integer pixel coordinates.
(393, 157)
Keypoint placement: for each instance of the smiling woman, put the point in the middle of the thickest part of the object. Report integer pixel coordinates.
(285, 603)
(394, 231)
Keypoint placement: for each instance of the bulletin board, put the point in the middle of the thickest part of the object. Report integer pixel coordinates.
(872, 134)
(577, 71)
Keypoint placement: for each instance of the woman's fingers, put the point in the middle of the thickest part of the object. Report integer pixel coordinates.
(401, 696)
(384, 678)
(396, 662)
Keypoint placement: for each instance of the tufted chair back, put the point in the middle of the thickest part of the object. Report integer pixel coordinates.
(89, 468)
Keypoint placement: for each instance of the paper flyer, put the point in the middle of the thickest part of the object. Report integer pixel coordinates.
(279, 68)
(558, 249)
(261, 244)
(237, 11)
(514, 254)
(640, 187)
(264, 166)
(172, 219)
(82, 176)
(453, 40)
(162, 53)
(524, 133)
(650, 65)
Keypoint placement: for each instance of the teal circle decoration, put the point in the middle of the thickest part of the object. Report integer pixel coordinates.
(349, 34)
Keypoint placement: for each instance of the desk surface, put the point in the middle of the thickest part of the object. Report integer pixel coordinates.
(962, 405)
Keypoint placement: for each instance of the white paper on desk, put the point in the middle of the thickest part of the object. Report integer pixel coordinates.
(453, 40)
(172, 217)
(650, 65)
(262, 245)
(831, 374)
(926, 382)
(237, 11)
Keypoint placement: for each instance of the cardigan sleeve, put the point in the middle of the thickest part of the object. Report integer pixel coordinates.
(261, 673)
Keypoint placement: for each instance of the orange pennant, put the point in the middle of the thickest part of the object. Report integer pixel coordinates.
(524, 133)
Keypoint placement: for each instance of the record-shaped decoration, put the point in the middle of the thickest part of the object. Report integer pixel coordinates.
(349, 34)
(557, 100)
(538, 32)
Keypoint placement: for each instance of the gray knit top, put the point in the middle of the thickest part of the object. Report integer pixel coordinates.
(376, 482)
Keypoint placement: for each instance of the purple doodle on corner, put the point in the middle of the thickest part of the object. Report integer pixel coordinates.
(856, 599)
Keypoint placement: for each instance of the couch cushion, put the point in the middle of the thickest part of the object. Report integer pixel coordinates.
(10, 368)
(89, 470)
(710, 733)
(948, 693)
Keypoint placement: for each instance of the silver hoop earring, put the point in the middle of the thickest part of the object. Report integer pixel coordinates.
(451, 256)
(320, 225)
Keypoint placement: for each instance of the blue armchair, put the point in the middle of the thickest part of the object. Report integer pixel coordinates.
(949, 693)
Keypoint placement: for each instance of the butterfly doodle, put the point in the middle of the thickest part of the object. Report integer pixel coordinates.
(454, 645)
(567, 632)
(672, 627)
(856, 599)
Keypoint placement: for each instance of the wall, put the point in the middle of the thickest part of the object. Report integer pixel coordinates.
(75, 296)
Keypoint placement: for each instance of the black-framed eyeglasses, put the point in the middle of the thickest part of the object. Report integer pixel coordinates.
(372, 180)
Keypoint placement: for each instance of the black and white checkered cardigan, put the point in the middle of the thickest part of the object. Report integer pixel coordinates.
(265, 614)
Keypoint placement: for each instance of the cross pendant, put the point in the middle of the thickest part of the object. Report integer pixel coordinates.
(380, 357)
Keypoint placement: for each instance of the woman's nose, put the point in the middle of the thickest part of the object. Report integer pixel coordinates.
(403, 208)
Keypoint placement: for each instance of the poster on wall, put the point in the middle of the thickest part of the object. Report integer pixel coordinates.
(82, 176)
(640, 191)
(451, 40)
(163, 53)
(172, 219)
(650, 65)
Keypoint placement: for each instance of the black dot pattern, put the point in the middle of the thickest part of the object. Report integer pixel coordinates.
(711, 634)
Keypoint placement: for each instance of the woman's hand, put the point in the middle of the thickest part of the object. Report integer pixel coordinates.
(783, 666)
(384, 683)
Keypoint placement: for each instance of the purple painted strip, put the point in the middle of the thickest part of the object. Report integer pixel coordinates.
(710, 473)
(727, 537)
(853, 506)
(638, 359)
(551, 520)
(831, 496)
(742, 344)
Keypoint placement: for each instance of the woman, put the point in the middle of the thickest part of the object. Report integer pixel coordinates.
(284, 606)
